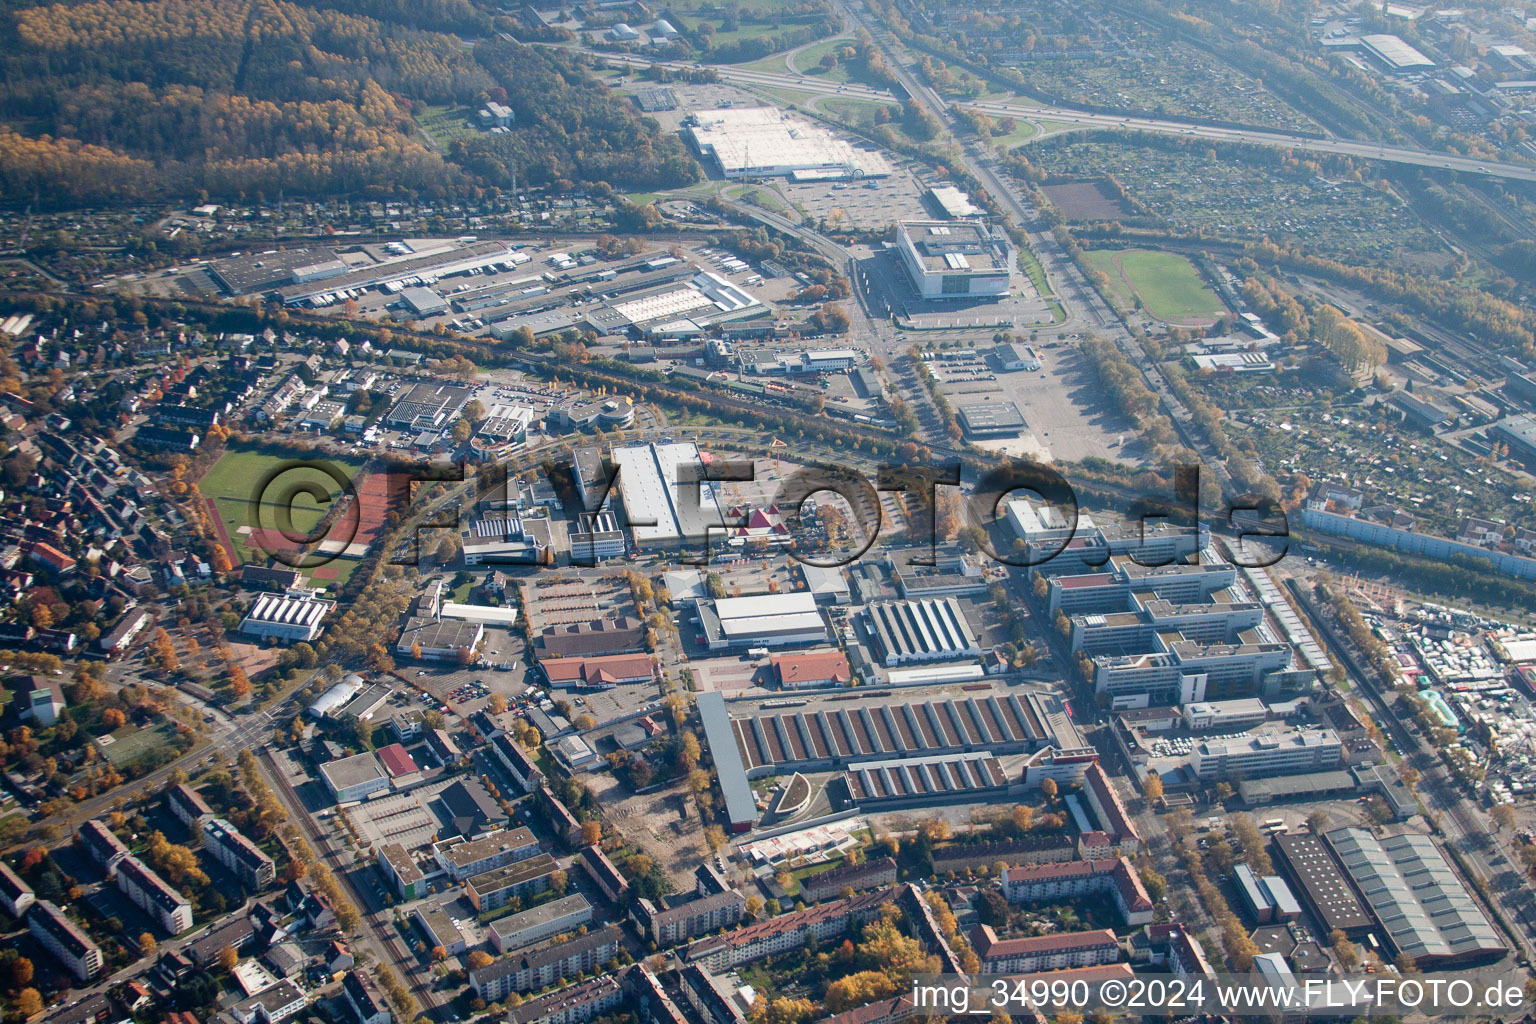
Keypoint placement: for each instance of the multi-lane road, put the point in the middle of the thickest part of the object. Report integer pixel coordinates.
(1127, 122)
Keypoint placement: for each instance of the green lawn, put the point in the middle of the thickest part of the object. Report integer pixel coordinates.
(130, 743)
(446, 122)
(1023, 133)
(853, 111)
(643, 198)
(797, 97)
(1167, 284)
(284, 486)
(809, 59)
(758, 196)
(861, 114)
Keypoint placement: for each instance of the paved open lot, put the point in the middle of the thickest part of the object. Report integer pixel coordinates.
(610, 705)
(730, 676)
(1066, 417)
(871, 204)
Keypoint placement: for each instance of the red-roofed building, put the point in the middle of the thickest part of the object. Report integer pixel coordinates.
(397, 761)
(52, 557)
(1031, 883)
(881, 1011)
(602, 673)
(1094, 845)
(758, 524)
(1043, 952)
(1110, 812)
(811, 668)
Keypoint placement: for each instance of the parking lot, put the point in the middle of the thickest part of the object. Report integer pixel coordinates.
(610, 705)
(860, 204)
(1065, 416)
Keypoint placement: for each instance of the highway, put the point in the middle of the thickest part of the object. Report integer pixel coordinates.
(1068, 115)
(1085, 307)
(1339, 147)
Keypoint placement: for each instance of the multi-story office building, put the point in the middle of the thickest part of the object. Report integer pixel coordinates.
(542, 922)
(1055, 545)
(1206, 622)
(1180, 671)
(1111, 588)
(400, 868)
(1270, 750)
(466, 858)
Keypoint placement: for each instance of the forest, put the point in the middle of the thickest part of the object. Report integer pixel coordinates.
(568, 128)
(114, 100)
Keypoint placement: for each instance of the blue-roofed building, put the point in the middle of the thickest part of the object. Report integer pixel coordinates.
(740, 806)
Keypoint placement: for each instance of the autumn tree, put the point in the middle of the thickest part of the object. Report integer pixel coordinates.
(29, 1003)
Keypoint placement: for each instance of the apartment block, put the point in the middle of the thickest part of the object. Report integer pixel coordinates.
(153, 895)
(543, 966)
(496, 888)
(1043, 952)
(688, 920)
(787, 931)
(231, 848)
(1078, 878)
(65, 940)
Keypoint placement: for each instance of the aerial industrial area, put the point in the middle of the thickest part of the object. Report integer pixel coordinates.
(767, 513)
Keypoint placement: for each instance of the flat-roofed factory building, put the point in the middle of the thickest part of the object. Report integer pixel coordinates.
(765, 142)
(768, 620)
(991, 419)
(664, 499)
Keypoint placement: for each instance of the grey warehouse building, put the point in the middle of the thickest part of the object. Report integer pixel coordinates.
(991, 419)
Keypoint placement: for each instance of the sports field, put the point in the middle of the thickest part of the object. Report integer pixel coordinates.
(251, 491)
(1167, 284)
